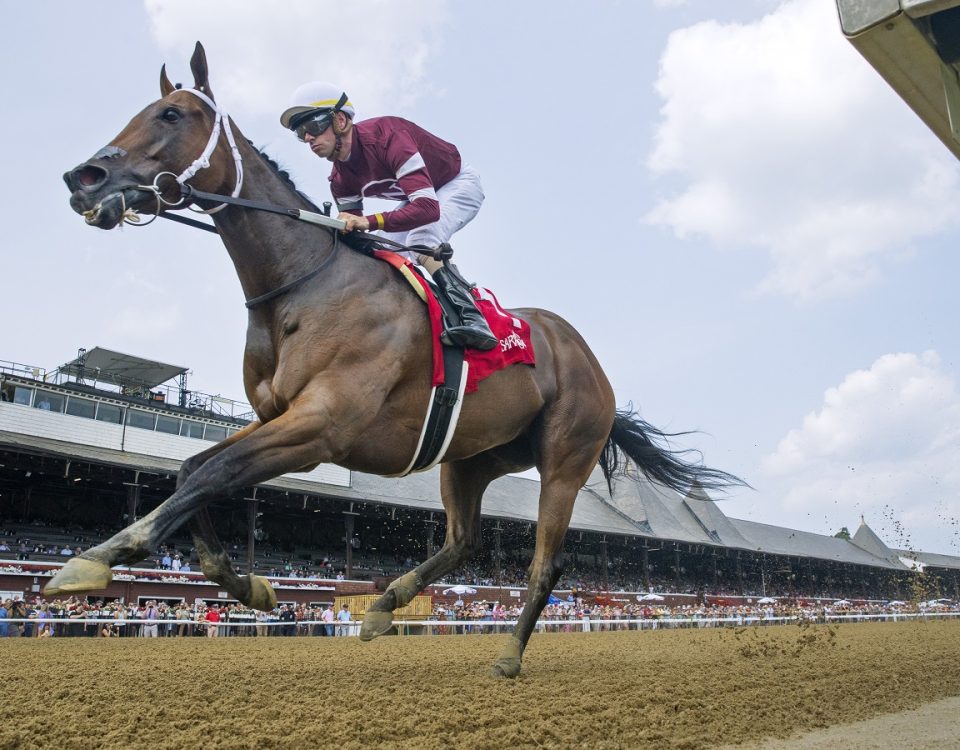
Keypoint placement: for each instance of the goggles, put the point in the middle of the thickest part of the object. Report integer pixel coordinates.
(315, 126)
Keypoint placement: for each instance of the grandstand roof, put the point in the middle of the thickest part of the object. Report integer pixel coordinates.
(512, 498)
(657, 510)
(122, 369)
(867, 540)
(638, 508)
(931, 558)
(778, 540)
(717, 524)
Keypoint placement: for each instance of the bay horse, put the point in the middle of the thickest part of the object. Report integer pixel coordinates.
(337, 369)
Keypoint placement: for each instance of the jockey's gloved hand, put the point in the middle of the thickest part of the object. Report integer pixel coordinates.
(354, 223)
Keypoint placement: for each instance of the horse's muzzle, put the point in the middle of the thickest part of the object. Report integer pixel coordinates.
(101, 195)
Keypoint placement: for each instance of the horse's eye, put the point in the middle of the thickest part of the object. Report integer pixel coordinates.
(171, 114)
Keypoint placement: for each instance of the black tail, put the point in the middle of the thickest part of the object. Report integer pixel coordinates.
(641, 442)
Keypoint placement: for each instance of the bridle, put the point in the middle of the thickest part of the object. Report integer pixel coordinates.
(221, 123)
(188, 194)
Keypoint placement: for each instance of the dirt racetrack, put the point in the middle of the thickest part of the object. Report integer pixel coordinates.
(666, 689)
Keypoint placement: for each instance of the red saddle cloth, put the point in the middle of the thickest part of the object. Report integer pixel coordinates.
(513, 332)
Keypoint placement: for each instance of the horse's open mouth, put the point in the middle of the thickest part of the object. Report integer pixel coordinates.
(110, 210)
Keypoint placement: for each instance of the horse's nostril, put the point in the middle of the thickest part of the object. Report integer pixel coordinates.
(89, 176)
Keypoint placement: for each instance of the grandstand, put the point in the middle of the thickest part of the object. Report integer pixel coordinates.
(98, 441)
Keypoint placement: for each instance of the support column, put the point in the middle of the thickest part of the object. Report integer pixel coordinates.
(431, 533)
(604, 563)
(252, 515)
(646, 567)
(349, 519)
(763, 575)
(27, 496)
(676, 568)
(133, 497)
(498, 553)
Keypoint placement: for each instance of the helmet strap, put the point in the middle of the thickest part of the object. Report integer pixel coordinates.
(339, 132)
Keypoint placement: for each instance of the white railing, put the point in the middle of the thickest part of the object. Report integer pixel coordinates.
(464, 627)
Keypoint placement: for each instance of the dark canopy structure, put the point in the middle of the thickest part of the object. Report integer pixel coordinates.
(107, 366)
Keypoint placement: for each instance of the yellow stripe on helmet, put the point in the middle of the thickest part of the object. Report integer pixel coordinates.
(329, 103)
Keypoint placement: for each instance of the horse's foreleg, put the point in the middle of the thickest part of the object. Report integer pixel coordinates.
(285, 444)
(462, 484)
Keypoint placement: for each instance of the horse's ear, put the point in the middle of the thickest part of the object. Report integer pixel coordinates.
(198, 64)
(165, 86)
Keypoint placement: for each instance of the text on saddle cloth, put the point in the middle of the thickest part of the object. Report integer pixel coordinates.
(513, 333)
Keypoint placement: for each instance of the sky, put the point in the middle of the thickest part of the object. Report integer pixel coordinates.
(754, 234)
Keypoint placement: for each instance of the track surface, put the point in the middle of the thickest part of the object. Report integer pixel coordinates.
(666, 689)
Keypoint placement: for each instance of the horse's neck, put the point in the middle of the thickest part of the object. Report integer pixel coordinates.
(269, 250)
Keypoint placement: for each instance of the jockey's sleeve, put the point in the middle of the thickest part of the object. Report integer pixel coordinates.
(413, 178)
(349, 204)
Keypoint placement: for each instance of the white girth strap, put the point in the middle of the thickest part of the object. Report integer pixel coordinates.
(451, 428)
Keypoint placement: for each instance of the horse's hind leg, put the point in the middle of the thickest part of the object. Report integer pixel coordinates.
(252, 590)
(567, 459)
(556, 505)
(462, 484)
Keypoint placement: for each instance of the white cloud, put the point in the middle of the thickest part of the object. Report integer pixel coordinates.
(777, 135)
(885, 443)
(904, 402)
(259, 53)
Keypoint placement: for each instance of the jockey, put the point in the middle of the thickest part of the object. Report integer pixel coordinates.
(395, 159)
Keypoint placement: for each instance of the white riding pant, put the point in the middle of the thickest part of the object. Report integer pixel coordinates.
(460, 200)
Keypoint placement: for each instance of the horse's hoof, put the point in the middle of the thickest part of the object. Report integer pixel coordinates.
(508, 665)
(79, 574)
(375, 624)
(262, 595)
(506, 668)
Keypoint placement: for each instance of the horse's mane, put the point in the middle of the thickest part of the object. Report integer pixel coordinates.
(282, 174)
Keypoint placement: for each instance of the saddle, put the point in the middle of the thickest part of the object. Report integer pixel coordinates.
(512, 332)
(457, 371)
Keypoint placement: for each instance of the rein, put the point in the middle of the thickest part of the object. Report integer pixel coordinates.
(189, 195)
(251, 303)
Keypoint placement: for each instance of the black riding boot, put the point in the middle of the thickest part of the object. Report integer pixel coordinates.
(470, 329)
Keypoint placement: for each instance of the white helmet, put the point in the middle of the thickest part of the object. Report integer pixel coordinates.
(316, 96)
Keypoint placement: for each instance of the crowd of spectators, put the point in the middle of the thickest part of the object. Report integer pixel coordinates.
(158, 619)
(153, 619)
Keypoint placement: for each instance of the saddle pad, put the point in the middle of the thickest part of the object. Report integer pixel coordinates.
(513, 332)
(515, 347)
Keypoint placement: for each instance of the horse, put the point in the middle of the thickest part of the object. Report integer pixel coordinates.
(337, 368)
